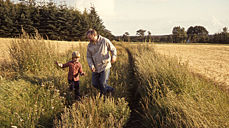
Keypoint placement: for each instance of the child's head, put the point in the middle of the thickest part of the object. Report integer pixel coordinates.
(76, 56)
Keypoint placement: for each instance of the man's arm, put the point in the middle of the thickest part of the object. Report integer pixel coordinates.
(113, 51)
(90, 60)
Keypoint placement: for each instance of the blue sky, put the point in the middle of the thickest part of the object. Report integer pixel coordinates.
(158, 16)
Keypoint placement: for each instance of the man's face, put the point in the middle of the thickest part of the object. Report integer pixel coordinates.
(92, 37)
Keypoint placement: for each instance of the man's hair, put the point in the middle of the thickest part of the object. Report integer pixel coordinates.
(91, 32)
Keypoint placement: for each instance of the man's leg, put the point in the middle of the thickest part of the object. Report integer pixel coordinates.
(95, 80)
(103, 80)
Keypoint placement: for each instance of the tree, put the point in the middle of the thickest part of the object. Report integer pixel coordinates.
(51, 21)
(225, 30)
(197, 34)
(141, 33)
(95, 22)
(6, 18)
(179, 35)
(126, 37)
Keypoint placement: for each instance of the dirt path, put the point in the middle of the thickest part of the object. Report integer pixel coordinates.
(134, 96)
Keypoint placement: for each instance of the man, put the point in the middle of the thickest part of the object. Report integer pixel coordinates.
(99, 60)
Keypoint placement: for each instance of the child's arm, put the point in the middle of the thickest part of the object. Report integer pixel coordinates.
(61, 65)
(81, 71)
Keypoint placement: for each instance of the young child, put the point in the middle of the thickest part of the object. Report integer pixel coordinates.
(75, 69)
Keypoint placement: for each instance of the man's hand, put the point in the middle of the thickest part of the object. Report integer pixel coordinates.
(93, 69)
(113, 59)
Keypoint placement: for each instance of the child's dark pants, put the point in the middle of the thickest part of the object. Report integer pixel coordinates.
(75, 85)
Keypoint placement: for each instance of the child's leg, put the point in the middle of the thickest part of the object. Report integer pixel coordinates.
(71, 84)
(77, 88)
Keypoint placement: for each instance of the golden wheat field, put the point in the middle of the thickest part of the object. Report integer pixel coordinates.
(211, 61)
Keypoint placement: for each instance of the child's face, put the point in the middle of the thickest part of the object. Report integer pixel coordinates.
(75, 59)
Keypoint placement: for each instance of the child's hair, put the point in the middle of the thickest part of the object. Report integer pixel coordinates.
(91, 32)
(75, 54)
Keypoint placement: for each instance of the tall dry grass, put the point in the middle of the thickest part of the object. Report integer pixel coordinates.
(171, 96)
(31, 54)
(41, 84)
(95, 112)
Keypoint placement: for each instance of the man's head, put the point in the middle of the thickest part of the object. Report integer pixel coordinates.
(75, 56)
(92, 35)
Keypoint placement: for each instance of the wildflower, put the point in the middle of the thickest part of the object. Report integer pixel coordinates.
(57, 90)
(21, 120)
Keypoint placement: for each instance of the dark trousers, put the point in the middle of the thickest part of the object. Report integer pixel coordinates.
(75, 85)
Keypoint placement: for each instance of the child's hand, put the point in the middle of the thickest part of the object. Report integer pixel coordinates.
(58, 64)
(82, 74)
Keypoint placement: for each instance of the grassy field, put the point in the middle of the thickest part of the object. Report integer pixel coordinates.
(152, 90)
(211, 61)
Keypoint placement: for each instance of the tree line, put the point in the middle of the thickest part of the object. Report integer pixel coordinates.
(52, 21)
(196, 34)
(59, 22)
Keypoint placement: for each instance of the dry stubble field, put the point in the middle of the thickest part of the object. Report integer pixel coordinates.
(211, 61)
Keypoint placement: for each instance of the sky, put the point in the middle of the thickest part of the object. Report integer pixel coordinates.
(157, 16)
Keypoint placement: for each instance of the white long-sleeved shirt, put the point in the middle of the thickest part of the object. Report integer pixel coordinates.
(98, 54)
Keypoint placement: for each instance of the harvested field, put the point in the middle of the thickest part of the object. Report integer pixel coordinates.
(211, 61)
